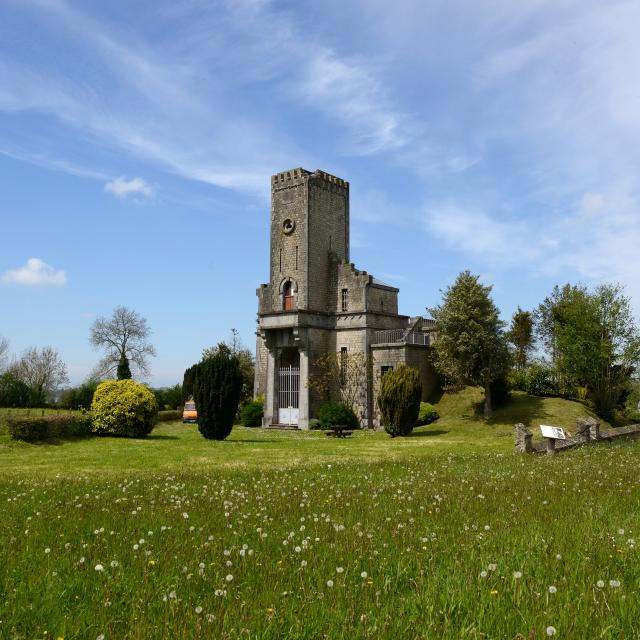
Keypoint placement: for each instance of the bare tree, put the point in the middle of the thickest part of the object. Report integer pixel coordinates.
(43, 371)
(342, 377)
(123, 336)
(4, 353)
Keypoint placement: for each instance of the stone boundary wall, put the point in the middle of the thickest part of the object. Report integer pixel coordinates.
(587, 431)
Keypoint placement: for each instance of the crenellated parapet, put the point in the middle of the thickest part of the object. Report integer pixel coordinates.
(319, 178)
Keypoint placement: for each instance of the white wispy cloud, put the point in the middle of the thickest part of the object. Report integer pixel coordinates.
(35, 272)
(122, 188)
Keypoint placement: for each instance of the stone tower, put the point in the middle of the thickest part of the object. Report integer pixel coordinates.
(317, 303)
(309, 224)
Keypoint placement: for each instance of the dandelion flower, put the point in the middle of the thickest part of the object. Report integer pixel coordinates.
(173, 595)
(614, 584)
(339, 569)
(483, 574)
(114, 564)
(198, 610)
(552, 589)
(47, 550)
(600, 584)
(330, 583)
(99, 567)
(551, 631)
(364, 574)
(492, 567)
(517, 575)
(229, 577)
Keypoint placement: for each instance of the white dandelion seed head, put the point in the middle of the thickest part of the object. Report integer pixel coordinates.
(483, 574)
(339, 569)
(229, 577)
(47, 550)
(364, 574)
(330, 583)
(492, 566)
(614, 584)
(173, 595)
(198, 609)
(600, 584)
(553, 589)
(551, 631)
(99, 567)
(517, 575)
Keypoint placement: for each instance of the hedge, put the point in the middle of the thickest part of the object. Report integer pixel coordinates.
(168, 416)
(32, 429)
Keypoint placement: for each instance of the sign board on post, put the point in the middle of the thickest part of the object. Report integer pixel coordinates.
(552, 432)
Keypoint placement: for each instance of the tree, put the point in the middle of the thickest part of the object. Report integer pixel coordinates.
(520, 335)
(124, 335)
(593, 341)
(399, 400)
(4, 353)
(236, 347)
(124, 371)
(471, 347)
(342, 377)
(43, 371)
(79, 397)
(187, 382)
(217, 388)
(13, 392)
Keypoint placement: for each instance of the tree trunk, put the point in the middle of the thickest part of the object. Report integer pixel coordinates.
(488, 410)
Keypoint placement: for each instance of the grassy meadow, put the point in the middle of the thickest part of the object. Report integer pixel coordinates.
(444, 534)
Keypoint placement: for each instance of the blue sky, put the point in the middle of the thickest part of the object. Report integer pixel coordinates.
(137, 140)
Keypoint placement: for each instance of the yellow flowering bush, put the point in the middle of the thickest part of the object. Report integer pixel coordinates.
(123, 408)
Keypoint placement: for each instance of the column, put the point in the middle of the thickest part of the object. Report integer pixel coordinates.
(303, 397)
(270, 405)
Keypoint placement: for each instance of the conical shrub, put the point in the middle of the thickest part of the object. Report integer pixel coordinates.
(399, 400)
(216, 390)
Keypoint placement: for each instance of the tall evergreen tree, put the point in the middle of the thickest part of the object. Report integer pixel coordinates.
(124, 371)
(520, 335)
(471, 346)
(216, 390)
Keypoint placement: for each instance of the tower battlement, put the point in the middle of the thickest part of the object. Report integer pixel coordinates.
(295, 175)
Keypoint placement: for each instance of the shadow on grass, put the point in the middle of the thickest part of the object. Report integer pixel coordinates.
(431, 432)
(159, 437)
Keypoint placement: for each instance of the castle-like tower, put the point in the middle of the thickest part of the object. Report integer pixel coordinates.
(317, 302)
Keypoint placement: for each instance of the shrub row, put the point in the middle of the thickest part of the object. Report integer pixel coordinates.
(168, 416)
(32, 429)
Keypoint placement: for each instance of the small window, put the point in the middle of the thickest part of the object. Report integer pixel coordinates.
(381, 305)
(345, 299)
(343, 365)
(384, 369)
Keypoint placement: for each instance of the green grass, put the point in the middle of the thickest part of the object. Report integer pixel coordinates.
(423, 517)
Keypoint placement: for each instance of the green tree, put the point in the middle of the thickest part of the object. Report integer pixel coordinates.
(124, 371)
(471, 347)
(399, 400)
(187, 382)
(79, 397)
(594, 341)
(13, 391)
(236, 347)
(520, 335)
(217, 389)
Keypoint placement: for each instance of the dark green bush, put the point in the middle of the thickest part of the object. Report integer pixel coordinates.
(314, 423)
(168, 416)
(217, 388)
(13, 392)
(335, 413)
(541, 381)
(32, 429)
(399, 400)
(427, 414)
(251, 414)
(123, 408)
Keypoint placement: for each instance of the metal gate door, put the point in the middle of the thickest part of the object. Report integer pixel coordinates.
(288, 394)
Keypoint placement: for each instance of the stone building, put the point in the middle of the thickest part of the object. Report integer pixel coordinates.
(317, 302)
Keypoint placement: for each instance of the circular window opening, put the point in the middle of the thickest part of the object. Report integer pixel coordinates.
(288, 226)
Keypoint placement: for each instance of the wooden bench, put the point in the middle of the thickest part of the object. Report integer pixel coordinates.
(339, 431)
